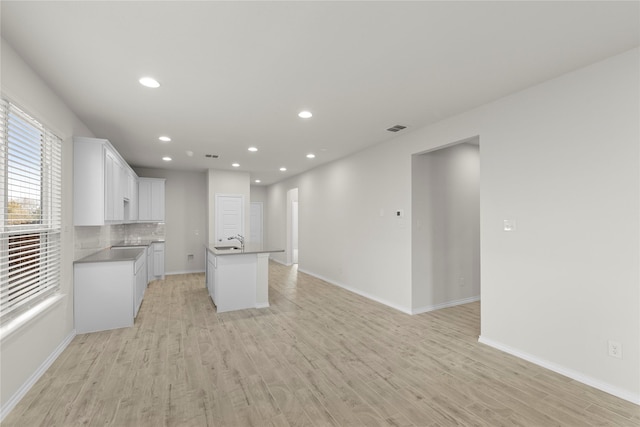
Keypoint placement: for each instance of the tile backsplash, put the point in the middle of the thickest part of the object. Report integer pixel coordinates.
(89, 240)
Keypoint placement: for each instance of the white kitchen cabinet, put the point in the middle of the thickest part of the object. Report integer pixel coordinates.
(108, 293)
(151, 199)
(149, 253)
(114, 194)
(99, 175)
(158, 260)
(211, 275)
(141, 282)
(131, 197)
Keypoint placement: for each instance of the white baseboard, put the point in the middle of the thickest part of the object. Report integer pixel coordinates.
(24, 388)
(262, 305)
(173, 273)
(580, 377)
(446, 304)
(280, 262)
(359, 292)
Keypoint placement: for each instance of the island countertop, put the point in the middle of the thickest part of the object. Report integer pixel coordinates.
(249, 248)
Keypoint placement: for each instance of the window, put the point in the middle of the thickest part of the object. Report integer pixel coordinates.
(30, 211)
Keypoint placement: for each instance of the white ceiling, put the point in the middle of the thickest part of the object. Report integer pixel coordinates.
(235, 74)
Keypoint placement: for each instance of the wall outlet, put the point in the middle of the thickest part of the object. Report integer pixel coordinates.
(615, 349)
(462, 282)
(189, 257)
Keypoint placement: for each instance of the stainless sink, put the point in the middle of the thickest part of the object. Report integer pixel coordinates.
(224, 248)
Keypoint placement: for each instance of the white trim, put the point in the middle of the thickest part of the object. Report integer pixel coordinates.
(359, 292)
(173, 273)
(24, 388)
(446, 304)
(262, 305)
(25, 318)
(283, 263)
(578, 376)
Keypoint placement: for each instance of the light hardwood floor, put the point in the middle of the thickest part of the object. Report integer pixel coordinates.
(318, 356)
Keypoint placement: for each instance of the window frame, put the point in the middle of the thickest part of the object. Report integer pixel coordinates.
(45, 281)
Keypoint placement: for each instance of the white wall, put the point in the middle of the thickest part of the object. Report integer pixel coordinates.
(446, 233)
(185, 218)
(30, 347)
(562, 159)
(342, 237)
(258, 193)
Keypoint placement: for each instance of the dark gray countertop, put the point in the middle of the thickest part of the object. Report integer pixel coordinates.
(249, 248)
(108, 255)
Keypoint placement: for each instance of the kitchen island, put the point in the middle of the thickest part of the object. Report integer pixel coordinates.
(238, 277)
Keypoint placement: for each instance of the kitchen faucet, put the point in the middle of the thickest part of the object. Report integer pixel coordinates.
(239, 238)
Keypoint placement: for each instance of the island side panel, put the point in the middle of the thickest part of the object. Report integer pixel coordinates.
(236, 279)
(262, 280)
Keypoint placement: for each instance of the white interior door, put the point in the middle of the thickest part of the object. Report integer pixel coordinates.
(256, 222)
(229, 217)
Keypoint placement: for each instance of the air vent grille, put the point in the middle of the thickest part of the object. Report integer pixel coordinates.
(396, 128)
(211, 156)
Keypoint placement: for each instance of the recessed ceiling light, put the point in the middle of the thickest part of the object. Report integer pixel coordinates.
(189, 153)
(305, 114)
(149, 82)
(253, 149)
(166, 158)
(235, 165)
(283, 169)
(311, 156)
(164, 139)
(257, 181)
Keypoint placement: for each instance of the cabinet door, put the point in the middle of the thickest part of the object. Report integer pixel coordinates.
(157, 200)
(88, 181)
(158, 259)
(149, 264)
(114, 195)
(144, 200)
(109, 188)
(131, 197)
(141, 284)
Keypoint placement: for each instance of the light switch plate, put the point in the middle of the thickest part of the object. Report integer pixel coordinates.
(509, 225)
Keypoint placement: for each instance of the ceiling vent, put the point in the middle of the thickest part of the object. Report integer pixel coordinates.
(396, 128)
(211, 156)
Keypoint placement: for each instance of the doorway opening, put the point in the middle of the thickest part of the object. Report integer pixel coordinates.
(292, 227)
(445, 241)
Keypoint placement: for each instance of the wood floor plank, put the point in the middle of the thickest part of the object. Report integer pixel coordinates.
(318, 356)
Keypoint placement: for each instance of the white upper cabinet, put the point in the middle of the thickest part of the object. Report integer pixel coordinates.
(100, 184)
(131, 197)
(114, 194)
(151, 199)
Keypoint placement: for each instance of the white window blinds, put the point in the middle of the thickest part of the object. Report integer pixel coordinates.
(30, 214)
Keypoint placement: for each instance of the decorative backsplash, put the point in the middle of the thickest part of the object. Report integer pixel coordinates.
(89, 240)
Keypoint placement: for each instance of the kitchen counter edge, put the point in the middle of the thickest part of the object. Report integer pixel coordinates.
(108, 255)
(249, 248)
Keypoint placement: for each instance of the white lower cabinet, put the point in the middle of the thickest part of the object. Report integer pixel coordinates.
(108, 294)
(211, 275)
(141, 282)
(158, 260)
(149, 252)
